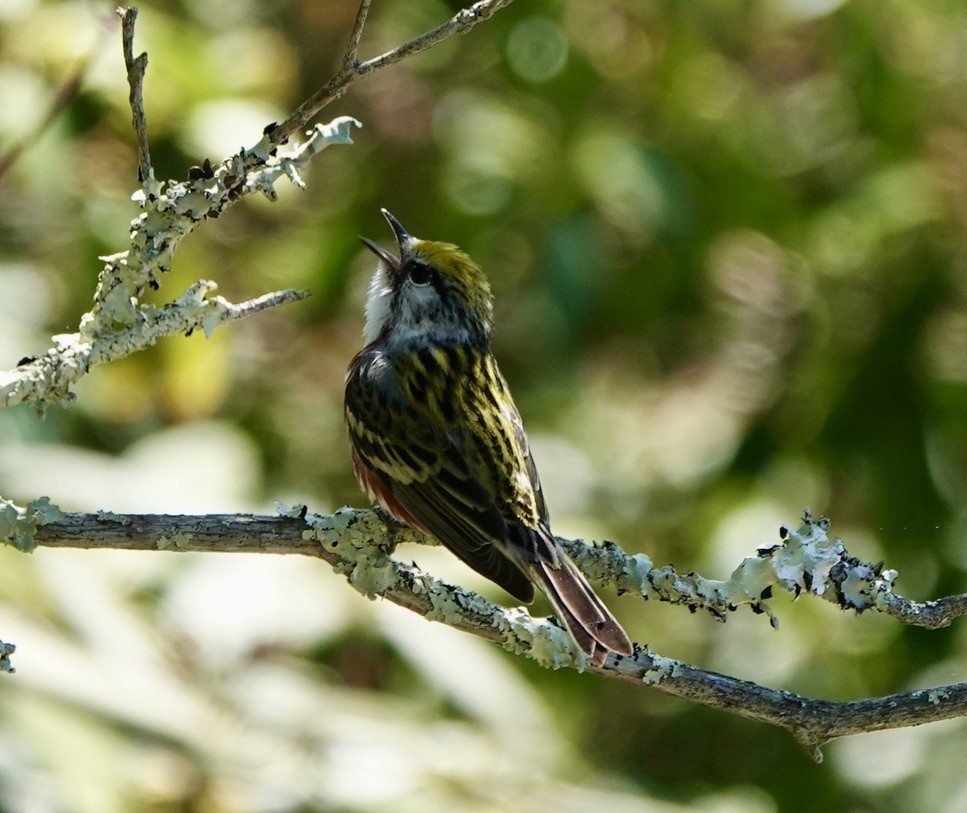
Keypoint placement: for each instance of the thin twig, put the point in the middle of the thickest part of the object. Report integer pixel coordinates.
(358, 543)
(352, 69)
(49, 378)
(264, 302)
(136, 66)
(349, 61)
(812, 722)
(932, 615)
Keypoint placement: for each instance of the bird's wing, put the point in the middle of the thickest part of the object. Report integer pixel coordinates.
(432, 465)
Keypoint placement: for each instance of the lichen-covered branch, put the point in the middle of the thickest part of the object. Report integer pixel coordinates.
(359, 544)
(48, 379)
(118, 324)
(804, 561)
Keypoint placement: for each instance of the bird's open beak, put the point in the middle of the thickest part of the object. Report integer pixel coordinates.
(402, 239)
(382, 253)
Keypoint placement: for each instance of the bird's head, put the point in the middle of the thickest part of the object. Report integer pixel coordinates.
(432, 289)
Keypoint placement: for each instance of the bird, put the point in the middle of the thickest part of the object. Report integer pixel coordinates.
(438, 442)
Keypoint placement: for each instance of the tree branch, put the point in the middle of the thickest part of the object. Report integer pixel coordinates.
(118, 324)
(353, 69)
(136, 66)
(51, 376)
(358, 544)
(349, 58)
(806, 561)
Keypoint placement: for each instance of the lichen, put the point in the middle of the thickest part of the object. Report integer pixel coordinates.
(6, 650)
(110, 516)
(636, 571)
(937, 696)
(18, 525)
(539, 639)
(118, 324)
(804, 562)
(296, 511)
(661, 668)
(357, 538)
(364, 563)
(446, 607)
(180, 540)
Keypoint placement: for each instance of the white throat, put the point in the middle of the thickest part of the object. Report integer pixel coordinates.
(378, 303)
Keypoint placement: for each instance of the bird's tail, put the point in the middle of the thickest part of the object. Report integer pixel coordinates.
(590, 623)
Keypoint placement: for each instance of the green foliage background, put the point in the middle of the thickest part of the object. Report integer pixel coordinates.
(728, 242)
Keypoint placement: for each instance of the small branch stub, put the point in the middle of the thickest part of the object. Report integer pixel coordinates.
(136, 67)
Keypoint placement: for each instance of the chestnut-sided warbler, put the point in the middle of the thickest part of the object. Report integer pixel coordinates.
(437, 440)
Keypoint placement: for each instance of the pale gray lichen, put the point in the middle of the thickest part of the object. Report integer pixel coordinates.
(881, 592)
(364, 563)
(937, 696)
(296, 511)
(804, 562)
(544, 641)
(661, 668)
(858, 581)
(6, 650)
(751, 582)
(18, 525)
(636, 571)
(446, 607)
(338, 131)
(180, 539)
(110, 516)
(358, 539)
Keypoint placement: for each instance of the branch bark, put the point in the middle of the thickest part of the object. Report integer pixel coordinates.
(358, 544)
(136, 67)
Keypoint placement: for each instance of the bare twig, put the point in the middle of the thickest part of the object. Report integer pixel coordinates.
(136, 66)
(929, 614)
(349, 61)
(358, 543)
(812, 722)
(352, 69)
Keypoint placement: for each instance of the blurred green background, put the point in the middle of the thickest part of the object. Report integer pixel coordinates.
(728, 242)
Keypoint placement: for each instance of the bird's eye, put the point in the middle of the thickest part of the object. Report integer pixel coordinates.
(420, 274)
